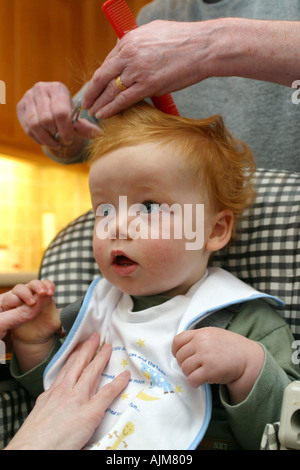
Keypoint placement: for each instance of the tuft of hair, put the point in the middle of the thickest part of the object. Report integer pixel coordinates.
(224, 165)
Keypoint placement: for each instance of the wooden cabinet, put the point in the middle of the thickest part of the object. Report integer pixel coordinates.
(63, 40)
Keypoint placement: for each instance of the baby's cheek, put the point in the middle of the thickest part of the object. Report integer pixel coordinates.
(159, 249)
(99, 250)
(164, 254)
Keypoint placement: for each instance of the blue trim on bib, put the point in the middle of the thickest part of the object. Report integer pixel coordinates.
(206, 419)
(208, 396)
(278, 302)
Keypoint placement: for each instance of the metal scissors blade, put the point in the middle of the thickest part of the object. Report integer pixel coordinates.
(76, 112)
(74, 116)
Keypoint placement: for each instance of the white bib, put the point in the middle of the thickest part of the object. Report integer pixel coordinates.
(158, 409)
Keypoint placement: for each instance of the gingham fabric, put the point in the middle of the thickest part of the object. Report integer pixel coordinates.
(15, 405)
(266, 253)
(270, 440)
(69, 260)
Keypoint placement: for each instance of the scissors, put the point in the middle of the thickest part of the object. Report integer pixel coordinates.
(74, 116)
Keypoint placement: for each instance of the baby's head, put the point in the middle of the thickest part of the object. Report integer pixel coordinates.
(156, 162)
(224, 165)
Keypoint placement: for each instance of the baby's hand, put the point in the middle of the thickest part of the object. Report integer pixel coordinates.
(218, 356)
(38, 317)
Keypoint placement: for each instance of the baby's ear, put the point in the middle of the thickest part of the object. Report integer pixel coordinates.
(221, 230)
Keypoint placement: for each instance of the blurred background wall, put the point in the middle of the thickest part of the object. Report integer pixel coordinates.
(53, 40)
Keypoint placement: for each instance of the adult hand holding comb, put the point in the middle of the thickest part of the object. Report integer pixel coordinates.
(120, 81)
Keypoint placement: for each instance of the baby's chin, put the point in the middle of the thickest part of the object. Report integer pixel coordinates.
(130, 285)
(147, 292)
(142, 292)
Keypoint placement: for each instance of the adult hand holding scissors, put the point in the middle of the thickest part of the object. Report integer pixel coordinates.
(45, 113)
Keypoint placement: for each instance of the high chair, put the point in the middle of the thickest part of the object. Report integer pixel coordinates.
(265, 254)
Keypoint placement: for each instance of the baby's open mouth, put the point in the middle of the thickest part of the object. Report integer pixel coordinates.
(122, 260)
(122, 265)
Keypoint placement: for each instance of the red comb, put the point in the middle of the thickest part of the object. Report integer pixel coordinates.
(119, 16)
(122, 21)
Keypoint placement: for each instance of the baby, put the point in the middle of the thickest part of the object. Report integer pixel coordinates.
(167, 193)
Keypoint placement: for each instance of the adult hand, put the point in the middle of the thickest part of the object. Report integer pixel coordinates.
(165, 56)
(153, 60)
(67, 414)
(45, 110)
(9, 319)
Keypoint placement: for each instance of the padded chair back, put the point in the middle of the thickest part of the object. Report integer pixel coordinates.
(265, 254)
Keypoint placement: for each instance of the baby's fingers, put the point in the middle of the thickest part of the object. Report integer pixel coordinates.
(23, 293)
(39, 287)
(27, 294)
(180, 340)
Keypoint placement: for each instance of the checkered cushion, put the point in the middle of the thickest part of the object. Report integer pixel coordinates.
(69, 260)
(266, 253)
(15, 405)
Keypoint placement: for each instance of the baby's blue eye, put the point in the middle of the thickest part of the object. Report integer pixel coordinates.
(149, 206)
(105, 210)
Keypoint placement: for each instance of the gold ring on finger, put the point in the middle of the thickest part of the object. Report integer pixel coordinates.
(120, 84)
